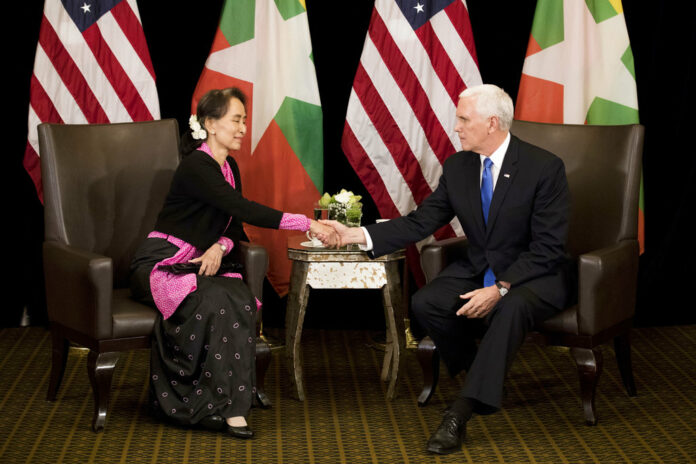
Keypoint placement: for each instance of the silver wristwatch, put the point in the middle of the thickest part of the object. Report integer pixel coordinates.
(501, 288)
(223, 247)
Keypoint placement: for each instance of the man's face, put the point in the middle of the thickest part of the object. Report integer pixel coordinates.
(472, 128)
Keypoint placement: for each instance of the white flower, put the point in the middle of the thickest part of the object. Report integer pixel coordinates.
(343, 197)
(193, 123)
(197, 132)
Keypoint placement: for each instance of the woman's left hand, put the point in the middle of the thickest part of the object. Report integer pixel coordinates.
(210, 260)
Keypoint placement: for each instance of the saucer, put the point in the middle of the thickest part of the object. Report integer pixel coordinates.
(308, 244)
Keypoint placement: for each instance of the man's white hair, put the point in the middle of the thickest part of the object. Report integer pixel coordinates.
(491, 100)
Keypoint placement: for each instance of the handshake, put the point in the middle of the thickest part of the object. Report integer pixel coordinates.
(334, 234)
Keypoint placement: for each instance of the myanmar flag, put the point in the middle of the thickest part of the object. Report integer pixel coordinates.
(579, 68)
(263, 47)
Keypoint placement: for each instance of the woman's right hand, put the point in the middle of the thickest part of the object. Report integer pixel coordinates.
(210, 260)
(326, 234)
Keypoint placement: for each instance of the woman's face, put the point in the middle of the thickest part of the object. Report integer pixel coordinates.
(229, 130)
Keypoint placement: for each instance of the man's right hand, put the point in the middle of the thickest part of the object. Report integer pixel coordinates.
(326, 234)
(346, 235)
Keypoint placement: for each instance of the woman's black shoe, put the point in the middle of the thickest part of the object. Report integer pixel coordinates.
(214, 422)
(240, 432)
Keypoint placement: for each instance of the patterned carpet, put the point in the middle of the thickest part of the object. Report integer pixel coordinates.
(346, 417)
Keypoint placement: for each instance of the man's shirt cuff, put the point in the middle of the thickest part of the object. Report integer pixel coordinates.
(368, 241)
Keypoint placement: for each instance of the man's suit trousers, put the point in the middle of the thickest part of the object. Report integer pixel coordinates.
(504, 330)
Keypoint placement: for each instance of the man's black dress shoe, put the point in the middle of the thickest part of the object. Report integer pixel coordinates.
(449, 435)
(214, 422)
(240, 432)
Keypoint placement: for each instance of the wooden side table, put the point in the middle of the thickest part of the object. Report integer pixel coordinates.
(323, 268)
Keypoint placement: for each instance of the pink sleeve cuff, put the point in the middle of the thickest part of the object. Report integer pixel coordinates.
(229, 244)
(295, 222)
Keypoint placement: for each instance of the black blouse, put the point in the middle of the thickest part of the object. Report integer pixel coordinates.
(200, 202)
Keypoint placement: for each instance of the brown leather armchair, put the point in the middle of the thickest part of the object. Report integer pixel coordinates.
(103, 187)
(603, 165)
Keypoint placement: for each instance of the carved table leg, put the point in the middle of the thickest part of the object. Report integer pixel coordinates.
(589, 363)
(393, 315)
(294, 319)
(389, 349)
(100, 368)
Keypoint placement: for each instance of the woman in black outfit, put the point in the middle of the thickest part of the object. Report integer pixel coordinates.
(202, 362)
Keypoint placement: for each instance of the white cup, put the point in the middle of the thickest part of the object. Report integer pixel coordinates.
(315, 241)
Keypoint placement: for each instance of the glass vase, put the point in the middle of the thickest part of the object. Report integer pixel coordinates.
(337, 212)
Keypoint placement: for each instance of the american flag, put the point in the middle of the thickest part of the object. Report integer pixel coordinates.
(92, 65)
(417, 58)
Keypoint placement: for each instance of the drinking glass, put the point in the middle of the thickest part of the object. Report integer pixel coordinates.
(320, 212)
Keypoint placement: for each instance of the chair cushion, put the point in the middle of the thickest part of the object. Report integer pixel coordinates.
(564, 322)
(130, 318)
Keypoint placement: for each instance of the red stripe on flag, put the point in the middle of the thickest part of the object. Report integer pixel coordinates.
(391, 135)
(368, 174)
(70, 74)
(443, 66)
(32, 164)
(116, 75)
(41, 103)
(130, 25)
(459, 16)
(410, 86)
(45, 112)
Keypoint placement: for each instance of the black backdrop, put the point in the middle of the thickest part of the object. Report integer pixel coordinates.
(179, 35)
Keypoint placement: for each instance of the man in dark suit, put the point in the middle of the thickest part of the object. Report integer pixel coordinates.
(512, 201)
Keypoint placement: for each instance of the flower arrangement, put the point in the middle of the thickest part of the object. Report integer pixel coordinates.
(344, 197)
(197, 131)
(344, 206)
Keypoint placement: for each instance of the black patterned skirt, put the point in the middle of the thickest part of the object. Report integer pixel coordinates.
(203, 357)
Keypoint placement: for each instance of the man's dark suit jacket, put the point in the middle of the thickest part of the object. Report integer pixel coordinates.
(524, 241)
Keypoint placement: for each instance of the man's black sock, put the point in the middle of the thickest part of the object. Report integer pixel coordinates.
(463, 407)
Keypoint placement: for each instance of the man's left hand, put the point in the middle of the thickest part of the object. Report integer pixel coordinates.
(480, 303)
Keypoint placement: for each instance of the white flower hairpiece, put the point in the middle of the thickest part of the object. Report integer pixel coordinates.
(197, 132)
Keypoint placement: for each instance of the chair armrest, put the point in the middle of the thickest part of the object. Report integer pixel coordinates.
(255, 261)
(437, 255)
(607, 286)
(79, 287)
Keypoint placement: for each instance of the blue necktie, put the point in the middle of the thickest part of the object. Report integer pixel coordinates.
(486, 196)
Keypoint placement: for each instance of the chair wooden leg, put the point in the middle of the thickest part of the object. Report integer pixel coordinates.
(59, 358)
(100, 368)
(622, 347)
(429, 360)
(263, 359)
(589, 363)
